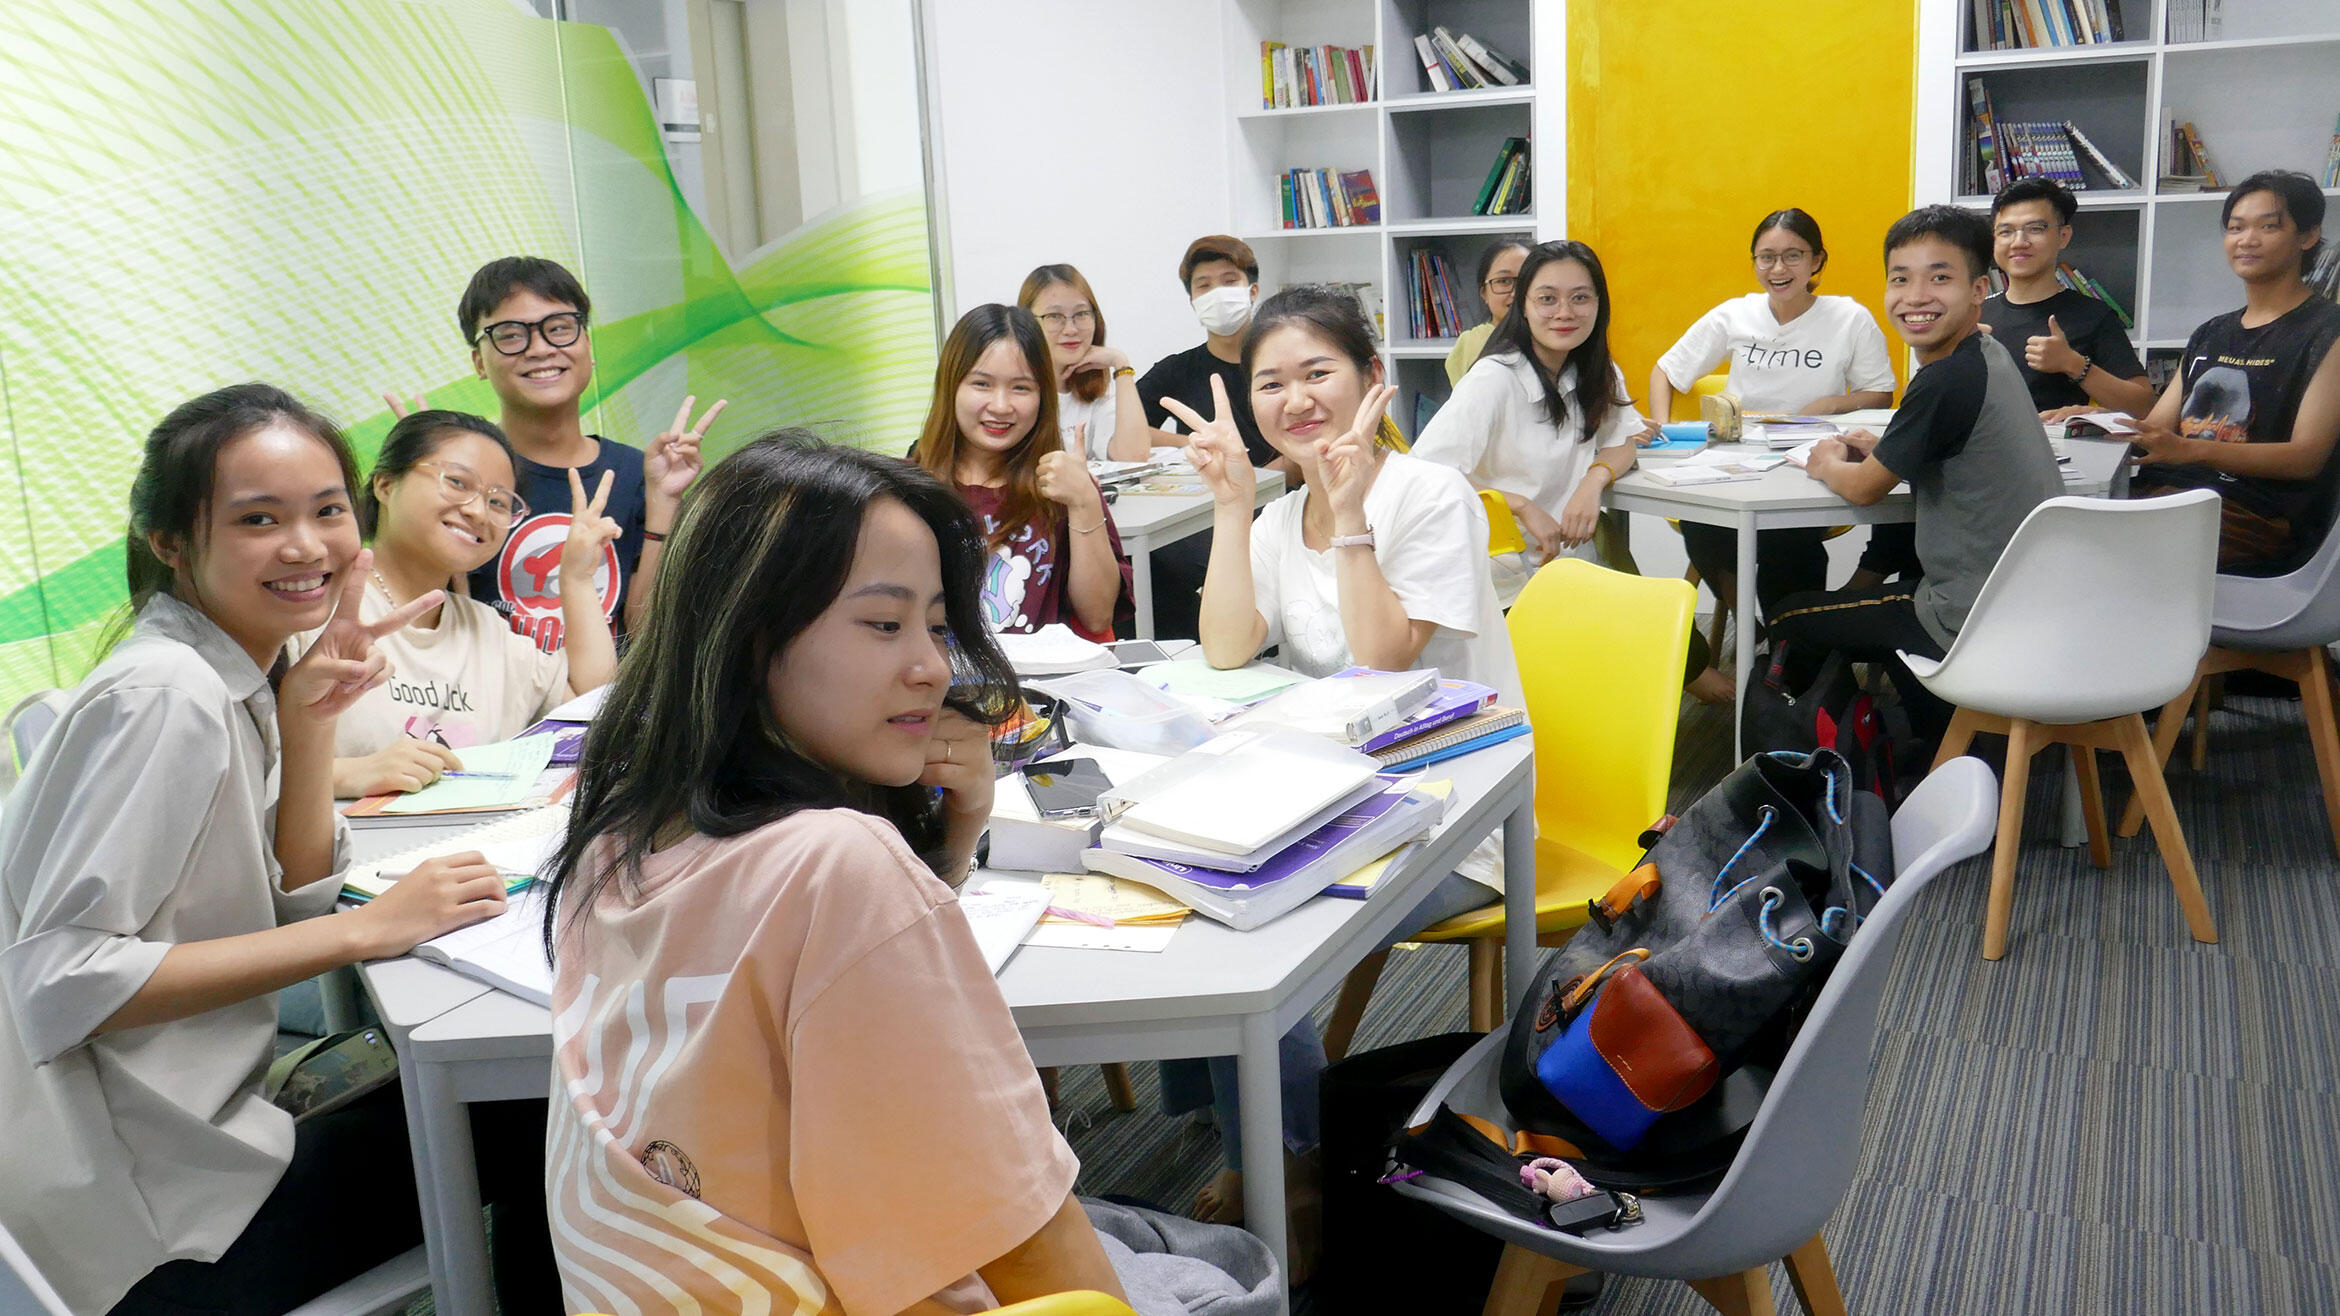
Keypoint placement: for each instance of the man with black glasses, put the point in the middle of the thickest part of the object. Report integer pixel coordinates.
(2071, 350)
(527, 320)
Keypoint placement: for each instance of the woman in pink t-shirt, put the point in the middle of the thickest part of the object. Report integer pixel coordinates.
(784, 1065)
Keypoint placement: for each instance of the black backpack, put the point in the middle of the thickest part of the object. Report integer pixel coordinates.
(1832, 711)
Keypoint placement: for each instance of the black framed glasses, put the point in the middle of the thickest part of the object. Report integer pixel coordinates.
(1501, 283)
(510, 337)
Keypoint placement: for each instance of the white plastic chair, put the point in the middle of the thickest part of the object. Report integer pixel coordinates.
(2097, 611)
(1800, 1154)
(2278, 625)
(389, 1287)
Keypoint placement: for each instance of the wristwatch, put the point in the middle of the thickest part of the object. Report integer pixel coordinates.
(1352, 541)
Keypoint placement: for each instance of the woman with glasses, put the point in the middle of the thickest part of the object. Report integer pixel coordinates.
(1097, 406)
(440, 503)
(1498, 274)
(1790, 352)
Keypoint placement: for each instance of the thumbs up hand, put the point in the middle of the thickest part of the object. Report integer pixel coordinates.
(2051, 353)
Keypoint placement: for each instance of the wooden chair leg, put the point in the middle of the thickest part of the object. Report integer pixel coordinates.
(1747, 1293)
(1957, 738)
(2323, 724)
(1349, 1007)
(1815, 1279)
(1524, 1282)
(1486, 983)
(2163, 815)
(2165, 737)
(2092, 805)
(1118, 1088)
(2199, 756)
(2002, 901)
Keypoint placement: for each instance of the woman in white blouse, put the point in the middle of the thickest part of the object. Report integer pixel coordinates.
(1543, 418)
(1097, 406)
(158, 886)
(1792, 352)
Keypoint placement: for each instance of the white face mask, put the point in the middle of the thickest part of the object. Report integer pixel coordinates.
(1225, 309)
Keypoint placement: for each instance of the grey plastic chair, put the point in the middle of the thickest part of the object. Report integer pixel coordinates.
(2278, 625)
(1800, 1154)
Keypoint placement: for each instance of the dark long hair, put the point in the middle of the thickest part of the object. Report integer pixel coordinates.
(1331, 314)
(764, 543)
(415, 438)
(1493, 253)
(938, 442)
(170, 498)
(1089, 385)
(1592, 371)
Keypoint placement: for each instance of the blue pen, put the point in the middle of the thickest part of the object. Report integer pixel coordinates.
(482, 776)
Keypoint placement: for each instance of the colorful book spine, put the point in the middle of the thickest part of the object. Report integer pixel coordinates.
(2118, 176)
(2332, 157)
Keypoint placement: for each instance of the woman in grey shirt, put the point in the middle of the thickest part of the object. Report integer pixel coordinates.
(162, 866)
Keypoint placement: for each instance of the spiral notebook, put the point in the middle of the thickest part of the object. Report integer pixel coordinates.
(518, 846)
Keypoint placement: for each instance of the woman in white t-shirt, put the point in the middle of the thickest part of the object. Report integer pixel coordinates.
(1790, 351)
(1097, 404)
(439, 503)
(1543, 418)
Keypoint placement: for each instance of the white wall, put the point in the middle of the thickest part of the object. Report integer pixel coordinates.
(1086, 131)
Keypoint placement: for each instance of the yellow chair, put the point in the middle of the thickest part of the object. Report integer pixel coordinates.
(1686, 404)
(1080, 1302)
(1600, 657)
(1503, 534)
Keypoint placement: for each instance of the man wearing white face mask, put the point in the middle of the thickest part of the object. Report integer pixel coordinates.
(1222, 276)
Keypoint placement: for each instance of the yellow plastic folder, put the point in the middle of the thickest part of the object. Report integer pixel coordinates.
(509, 771)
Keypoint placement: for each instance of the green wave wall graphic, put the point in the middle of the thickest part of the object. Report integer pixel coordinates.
(194, 192)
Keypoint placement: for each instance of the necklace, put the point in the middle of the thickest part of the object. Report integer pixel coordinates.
(387, 592)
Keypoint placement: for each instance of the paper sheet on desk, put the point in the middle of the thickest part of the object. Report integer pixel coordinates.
(1080, 936)
(517, 764)
(1113, 899)
(584, 708)
(1240, 685)
(1001, 911)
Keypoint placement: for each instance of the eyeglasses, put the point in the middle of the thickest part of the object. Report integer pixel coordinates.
(1501, 283)
(461, 487)
(1548, 301)
(510, 337)
(1764, 260)
(1055, 321)
(2035, 230)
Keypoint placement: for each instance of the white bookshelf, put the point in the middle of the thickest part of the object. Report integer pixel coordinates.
(1429, 152)
(2262, 90)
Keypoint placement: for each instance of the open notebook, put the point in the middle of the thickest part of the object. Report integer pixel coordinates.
(518, 845)
(506, 951)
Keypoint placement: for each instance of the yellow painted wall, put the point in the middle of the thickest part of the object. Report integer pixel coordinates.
(1689, 120)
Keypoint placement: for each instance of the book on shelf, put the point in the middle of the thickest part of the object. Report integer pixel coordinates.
(2069, 275)
(2030, 24)
(1497, 65)
(1505, 190)
(1467, 74)
(1453, 61)
(2186, 163)
(2331, 176)
(2324, 276)
(1368, 297)
(2119, 177)
(1294, 76)
(1328, 198)
(2196, 20)
(1432, 308)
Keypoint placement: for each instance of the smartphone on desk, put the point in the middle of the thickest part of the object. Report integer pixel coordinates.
(1066, 788)
(1137, 653)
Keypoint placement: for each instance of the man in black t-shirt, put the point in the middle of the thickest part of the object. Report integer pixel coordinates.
(2071, 349)
(2255, 408)
(1967, 439)
(1221, 275)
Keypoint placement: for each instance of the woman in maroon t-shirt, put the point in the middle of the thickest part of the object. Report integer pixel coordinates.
(991, 433)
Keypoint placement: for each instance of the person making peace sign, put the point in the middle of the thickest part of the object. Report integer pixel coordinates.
(168, 863)
(440, 503)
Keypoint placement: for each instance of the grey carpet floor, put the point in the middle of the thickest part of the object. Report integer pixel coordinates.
(2113, 1119)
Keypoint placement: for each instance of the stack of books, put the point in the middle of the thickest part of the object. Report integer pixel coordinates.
(1368, 297)
(1432, 308)
(1327, 198)
(2196, 20)
(2026, 24)
(1463, 63)
(1291, 76)
(1506, 190)
(2186, 163)
(2002, 152)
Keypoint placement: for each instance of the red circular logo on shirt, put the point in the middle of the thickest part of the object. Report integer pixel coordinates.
(528, 572)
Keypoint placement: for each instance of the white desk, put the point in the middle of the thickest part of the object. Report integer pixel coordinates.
(1785, 498)
(1214, 991)
(1148, 521)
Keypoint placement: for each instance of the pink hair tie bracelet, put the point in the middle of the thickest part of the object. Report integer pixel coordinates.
(1549, 1176)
